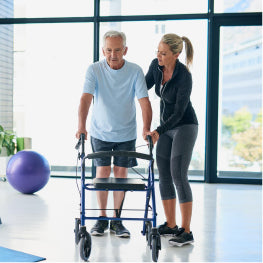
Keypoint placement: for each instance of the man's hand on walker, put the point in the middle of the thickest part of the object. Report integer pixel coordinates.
(79, 132)
(145, 133)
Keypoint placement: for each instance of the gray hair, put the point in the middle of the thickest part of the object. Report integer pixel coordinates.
(113, 33)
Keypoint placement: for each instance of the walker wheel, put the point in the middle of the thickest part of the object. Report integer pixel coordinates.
(76, 230)
(85, 246)
(155, 244)
(155, 250)
(148, 230)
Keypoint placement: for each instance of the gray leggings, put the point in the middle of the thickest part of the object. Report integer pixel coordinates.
(173, 156)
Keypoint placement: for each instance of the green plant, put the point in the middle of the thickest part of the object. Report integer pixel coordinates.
(243, 135)
(7, 138)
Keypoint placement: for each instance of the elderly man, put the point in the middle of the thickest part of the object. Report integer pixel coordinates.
(113, 83)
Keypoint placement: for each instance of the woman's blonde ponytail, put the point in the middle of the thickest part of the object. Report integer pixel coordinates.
(189, 51)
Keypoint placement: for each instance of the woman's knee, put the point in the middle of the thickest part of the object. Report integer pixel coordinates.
(167, 191)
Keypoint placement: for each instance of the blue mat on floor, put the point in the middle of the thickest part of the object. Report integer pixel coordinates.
(10, 255)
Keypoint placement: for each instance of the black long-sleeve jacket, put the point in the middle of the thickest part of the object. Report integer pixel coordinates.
(175, 107)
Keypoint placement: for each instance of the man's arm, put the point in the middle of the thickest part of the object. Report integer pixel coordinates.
(83, 111)
(146, 115)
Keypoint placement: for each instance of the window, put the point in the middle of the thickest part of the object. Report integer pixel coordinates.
(152, 7)
(47, 45)
(240, 104)
(6, 76)
(50, 61)
(237, 6)
(52, 8)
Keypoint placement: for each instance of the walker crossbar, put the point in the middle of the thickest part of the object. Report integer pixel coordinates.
(122, 218)
(119, 153)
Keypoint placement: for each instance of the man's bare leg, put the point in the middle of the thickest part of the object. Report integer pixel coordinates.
(117, 226)
(119, 172)
(102, 196)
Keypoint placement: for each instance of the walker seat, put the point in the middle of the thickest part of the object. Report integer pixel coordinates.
(126, 184)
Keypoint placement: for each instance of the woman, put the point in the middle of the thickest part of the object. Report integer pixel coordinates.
(176, 134)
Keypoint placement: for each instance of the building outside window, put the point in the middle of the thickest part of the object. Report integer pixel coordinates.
(240, 119)
(6, 67)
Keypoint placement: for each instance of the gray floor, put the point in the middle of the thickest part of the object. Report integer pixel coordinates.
(227, 225)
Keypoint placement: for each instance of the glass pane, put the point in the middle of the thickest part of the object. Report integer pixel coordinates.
(51, 8)
(6, 9)
(240, 105)
(150, 7)
(6, 76)
(50, 62)
(141, 50)
(237, 6)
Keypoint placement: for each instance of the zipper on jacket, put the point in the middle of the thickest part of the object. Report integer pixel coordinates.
(161, 82)
(165, 84)
(161, 93)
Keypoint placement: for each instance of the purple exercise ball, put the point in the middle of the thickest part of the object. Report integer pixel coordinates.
(28, 171)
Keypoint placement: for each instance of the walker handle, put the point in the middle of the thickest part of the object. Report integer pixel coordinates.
(150, 145)
(80, 142)
(82, 138)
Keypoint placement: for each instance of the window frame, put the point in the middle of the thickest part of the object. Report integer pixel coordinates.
(212, 110)
(215, 21)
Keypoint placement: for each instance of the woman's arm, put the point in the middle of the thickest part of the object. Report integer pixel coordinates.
(150, 76)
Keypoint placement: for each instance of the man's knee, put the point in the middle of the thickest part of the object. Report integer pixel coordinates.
(120, 172)
(103, 171)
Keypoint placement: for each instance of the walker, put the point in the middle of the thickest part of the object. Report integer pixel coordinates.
(149, 229)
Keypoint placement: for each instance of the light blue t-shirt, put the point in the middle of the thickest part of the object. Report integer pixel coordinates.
(114, 113)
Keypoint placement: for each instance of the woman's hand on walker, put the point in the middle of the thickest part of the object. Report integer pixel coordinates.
(155, 136)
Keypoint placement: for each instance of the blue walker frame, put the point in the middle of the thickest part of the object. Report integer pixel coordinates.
(149, 223)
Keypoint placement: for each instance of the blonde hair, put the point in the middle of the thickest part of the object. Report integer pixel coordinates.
(176, 46)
